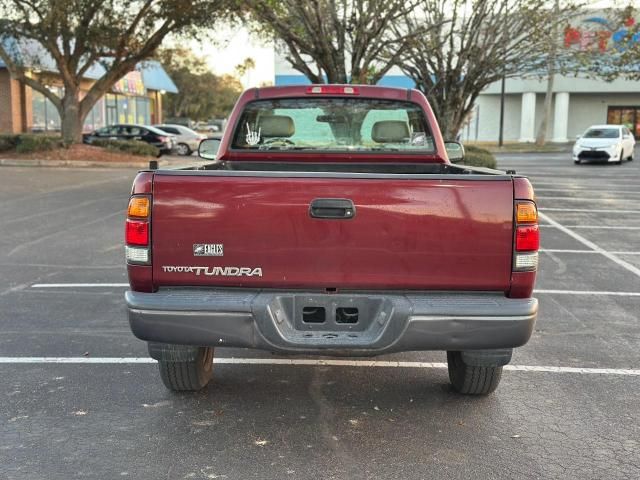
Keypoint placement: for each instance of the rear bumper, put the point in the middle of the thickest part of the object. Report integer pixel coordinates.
(387, 322)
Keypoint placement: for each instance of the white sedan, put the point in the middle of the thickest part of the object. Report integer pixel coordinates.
(609, 143)
(187, 141)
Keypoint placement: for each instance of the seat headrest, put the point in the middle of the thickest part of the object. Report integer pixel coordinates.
(390, 131)
(276, 126)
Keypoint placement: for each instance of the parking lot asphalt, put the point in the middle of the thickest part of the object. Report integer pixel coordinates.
(568, 408)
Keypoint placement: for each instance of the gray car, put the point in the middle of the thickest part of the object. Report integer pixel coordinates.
(187, 141)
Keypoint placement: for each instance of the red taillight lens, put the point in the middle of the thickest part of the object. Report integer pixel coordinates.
(137, 233)
(527, 238)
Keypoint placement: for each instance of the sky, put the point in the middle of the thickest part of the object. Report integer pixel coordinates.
(234, 46)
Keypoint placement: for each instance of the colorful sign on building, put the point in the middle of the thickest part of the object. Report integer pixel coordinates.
(131, 84)
(599, 34)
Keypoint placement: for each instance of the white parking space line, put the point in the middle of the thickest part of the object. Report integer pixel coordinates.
(578, 190)
(587, 210)
(588, 243)
(582, 199)
(561, 250)
(316, 362)
(594, 227)
(79, 285)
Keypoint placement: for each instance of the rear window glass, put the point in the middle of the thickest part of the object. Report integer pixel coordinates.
(602, 133)
(333, 124)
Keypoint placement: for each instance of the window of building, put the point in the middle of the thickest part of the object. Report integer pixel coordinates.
(96, 117)
(627, 116)
(45, 114)
(124, 109)
(143, 111)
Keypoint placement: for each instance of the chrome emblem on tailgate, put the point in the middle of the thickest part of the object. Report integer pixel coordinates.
(214, 271)
(208, 250)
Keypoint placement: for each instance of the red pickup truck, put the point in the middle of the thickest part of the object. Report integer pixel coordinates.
(331, 220)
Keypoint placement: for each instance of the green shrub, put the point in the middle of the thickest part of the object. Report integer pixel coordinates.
(37, 143)
(133, 147)
(8, 142)
(478, 157)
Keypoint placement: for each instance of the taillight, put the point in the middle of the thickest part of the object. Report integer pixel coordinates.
(138, 207)
(526, 212)
(137, 233)
(527, 237)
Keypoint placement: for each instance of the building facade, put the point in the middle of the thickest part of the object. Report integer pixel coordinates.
(136, 98)
(577, 103)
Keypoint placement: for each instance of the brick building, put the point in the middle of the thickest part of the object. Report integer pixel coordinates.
(136, 98)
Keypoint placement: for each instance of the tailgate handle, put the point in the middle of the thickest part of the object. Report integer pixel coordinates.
(334, 208)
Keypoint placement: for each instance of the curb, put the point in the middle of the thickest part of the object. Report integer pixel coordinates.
(9, 162)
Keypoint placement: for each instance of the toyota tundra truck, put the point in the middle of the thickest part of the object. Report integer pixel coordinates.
(332, 220)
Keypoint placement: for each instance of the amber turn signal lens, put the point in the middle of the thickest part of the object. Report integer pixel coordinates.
(526, 213)
(138, 207)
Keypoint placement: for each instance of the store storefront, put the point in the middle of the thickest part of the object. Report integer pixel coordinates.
(627, 116)
(136, 98)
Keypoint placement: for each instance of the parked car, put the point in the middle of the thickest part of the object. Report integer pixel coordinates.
(211, 126)
(608, 143)
(185, 122)
(163, 141)
(187, 141)
(346, 232)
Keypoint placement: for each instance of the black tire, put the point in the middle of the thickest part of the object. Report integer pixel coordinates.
(188, 376)
(472, 380)
(577, 162)
(183, 149)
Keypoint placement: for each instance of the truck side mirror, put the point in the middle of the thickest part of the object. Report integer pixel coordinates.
(455, 151)
(208, 148)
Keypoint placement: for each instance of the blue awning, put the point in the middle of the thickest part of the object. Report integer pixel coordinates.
(155, 77)
(32, 54)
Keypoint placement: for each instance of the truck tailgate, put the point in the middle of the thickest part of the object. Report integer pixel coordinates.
(406, 233)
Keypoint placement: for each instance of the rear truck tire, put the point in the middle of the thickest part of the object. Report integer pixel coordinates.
(183, 149)
(472, 379)
(188, 375)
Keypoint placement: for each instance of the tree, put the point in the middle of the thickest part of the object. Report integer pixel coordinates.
(245, 68)
(337, 41)
(246, 65)
(473, 44)
(201, 94)
(552, 49)
(77, 34)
